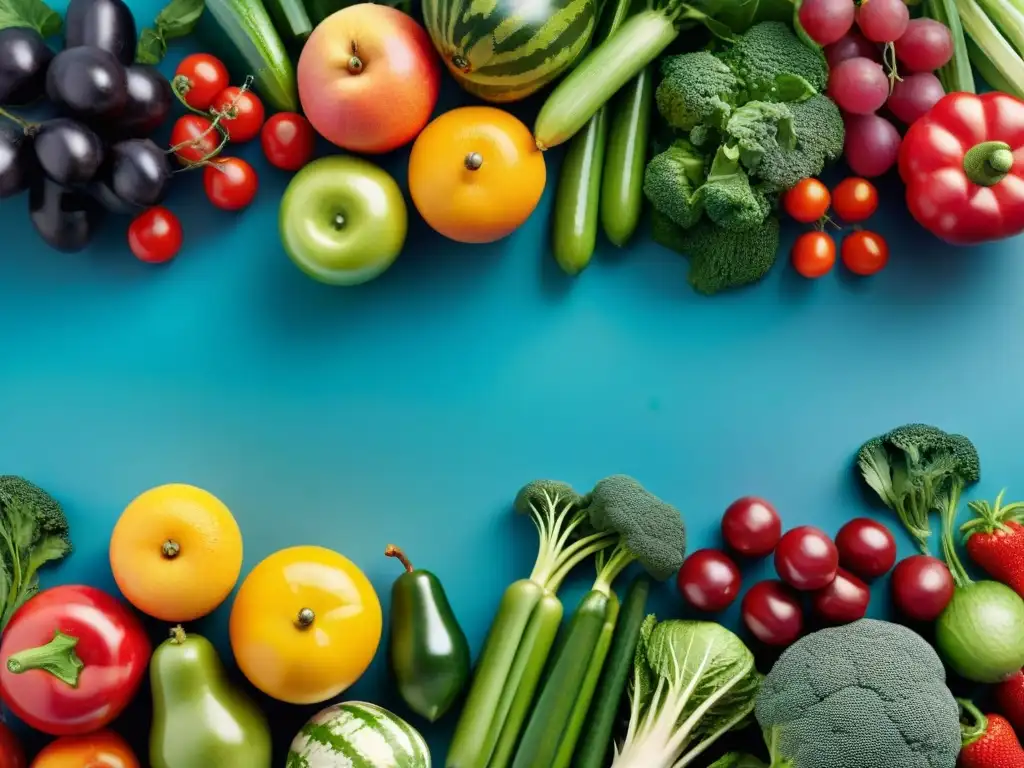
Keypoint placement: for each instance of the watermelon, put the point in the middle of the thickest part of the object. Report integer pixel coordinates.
(505, 50)
(356, 734)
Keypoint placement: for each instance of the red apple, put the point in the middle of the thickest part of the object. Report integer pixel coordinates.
(368, 78)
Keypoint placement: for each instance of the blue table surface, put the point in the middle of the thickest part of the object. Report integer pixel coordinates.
(411, 409)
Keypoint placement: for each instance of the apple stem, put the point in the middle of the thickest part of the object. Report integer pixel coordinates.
(473, 161)
(355, 64)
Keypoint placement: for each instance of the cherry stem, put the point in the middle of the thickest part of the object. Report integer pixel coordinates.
(180, 86)
(889, 60)
(25, 125)
(392, 551)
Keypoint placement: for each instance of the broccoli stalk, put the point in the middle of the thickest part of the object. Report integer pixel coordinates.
(33, 532)
(645, 529)
(524, 628)
(693, 681)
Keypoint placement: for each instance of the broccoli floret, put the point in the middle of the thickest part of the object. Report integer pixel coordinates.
(818, 126)
(862, 695)
(33, 531)
(649, 530)
(758, 125)
(696, 88)
(671, 181)
(728, 198)
(774, 64)
(917, 469)
(721, 259)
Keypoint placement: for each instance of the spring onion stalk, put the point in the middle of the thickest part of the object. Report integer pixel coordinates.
(519, 641)
(982, 29)
(956, 76)
(989, 73)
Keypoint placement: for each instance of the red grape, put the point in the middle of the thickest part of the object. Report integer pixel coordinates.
(926, 46)
(751, 526)
(771, 610)
(872, 145)
(922, 587)
(866, 547)
(852, 46)
(914, 95)
(844, 600)
(859, 86)
(709, 580)
(883, 20)
(825, 21)
(806, 558)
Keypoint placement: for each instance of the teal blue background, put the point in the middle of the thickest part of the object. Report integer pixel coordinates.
(411, 409)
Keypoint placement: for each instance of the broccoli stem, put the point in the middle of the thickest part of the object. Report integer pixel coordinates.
(948, 504)
(609, 566)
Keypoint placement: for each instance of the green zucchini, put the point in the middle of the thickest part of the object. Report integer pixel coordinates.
(574, 232)
(622, 188)
(255, 47)
(290, 19)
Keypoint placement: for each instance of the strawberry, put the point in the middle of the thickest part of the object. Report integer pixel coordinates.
(995, 540)
(988, 740)
(1010, 698)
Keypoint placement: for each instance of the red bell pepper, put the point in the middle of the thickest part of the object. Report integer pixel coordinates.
(72, 658)
(963, 166)
(11, 754)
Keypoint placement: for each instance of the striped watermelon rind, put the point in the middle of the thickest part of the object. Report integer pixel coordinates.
(506, 50)
(357, 734)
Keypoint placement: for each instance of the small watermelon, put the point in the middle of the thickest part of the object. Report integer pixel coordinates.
(505, 50)
(356, 734)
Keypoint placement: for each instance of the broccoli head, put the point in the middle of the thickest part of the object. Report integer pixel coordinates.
(862, 695)
(649, 530)
(728, 199)
(721, 259)
(774, 64)
(696, 88)
(671, 181)
(758, 125)
(915, 469)
(818, 128)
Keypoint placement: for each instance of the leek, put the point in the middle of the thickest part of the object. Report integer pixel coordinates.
(957, 74)
(989, 73)
(982, 29)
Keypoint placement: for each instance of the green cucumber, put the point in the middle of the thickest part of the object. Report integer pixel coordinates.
(290, 19)
(622, 188)
(574, 232)
(256, 48)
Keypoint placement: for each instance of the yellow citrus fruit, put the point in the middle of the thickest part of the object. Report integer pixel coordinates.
(176, 552)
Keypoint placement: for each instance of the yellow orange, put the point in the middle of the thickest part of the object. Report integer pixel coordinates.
(176, 552)
(475, 174)
(305, 625)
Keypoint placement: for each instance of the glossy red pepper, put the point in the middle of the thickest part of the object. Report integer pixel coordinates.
(963, 167)
(11, 754)
(71, 659)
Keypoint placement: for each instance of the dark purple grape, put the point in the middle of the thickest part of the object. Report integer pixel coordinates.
(16, 161)
(88, 83)
(149, 101)
(66, 219)
(68, 151)
(105, 24)
(24, 59)
(140, 172)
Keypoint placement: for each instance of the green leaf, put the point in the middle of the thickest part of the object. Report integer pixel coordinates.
(737, 760)
(177, 19)
(741, 15)
(33, 14)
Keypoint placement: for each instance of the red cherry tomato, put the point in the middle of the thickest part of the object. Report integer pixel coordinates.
(866, 547)
(806, 558)
(199, 78)
(230, 183)
(814, 254)
(288, 141)
(854, 199)
(865, 253)
(922, 587)
(155, 235)
(71, 660)
(751, 526)
(243, 113)
(11, 753)
(808, 201)
(844, 600)
(709, 580)
(103, 749)
(772, 612)
(194, 139)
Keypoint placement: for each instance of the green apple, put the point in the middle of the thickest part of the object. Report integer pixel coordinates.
(343, 220)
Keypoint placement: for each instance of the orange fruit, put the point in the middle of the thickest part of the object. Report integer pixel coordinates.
(475, 174)
(305, 625)
(104, 749)
(176, 552)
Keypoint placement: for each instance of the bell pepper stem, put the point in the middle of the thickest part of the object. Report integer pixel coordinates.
(57, 657)
(987, 163)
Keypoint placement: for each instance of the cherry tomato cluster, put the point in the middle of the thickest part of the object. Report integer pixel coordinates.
(832, 573)
(853, 200)
(220, 114)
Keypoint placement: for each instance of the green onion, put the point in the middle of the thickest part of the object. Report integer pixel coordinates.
(956, 75)
(989, 73)
(983, 30)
